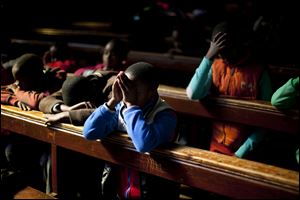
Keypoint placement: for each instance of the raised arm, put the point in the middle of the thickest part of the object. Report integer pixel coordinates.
(200, 83)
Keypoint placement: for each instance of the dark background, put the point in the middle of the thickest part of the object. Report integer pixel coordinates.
(19, 18)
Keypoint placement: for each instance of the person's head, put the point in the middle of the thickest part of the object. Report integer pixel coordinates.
(146, 80)
(59, 51)
(76, 89)
(28, 72)
(115, 54)
(238, 40)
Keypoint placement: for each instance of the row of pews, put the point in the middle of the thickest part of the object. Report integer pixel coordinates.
(195, 167)
(175, 70)
(187, 164)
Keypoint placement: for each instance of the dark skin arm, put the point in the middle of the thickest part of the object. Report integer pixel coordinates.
(81, 105)
(13, 87)
(62, 117)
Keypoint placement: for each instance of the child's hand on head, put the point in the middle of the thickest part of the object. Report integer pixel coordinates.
(216, 45)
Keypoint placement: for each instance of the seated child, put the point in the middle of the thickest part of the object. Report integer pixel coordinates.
(59, 55)
(77, 99)
(135, 107)
(287, 97)
(32, 83)
(229, 69)
(114, 58)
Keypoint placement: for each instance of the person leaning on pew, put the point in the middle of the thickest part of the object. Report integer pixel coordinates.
(136, 108)
(77, 99)
(229, 69)
(32, 83)
(287, 97)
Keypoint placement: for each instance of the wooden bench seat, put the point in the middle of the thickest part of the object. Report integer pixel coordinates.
(221, 174)
(31, 193)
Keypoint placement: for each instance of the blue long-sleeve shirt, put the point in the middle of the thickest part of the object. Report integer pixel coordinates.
(145, 136)
(200, 85)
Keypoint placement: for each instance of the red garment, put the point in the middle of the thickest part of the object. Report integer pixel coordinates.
(129, 187)
(80, 71)
(31, 98)
(66, 65)
(241, 82)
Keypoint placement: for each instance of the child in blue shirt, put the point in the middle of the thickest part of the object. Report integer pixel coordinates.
(135, 107)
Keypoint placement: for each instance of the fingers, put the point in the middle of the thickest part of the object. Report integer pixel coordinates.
(89, 105)
(50, 119)
(46, 116)
(220, 39)
(23, 106)
(124, 82)
(47, 122)
(122, 87)
(219, 36)
(116, 92)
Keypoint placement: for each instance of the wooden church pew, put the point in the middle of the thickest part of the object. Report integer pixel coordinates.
(221, 174)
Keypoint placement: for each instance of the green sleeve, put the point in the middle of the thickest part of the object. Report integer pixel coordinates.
(285, 96)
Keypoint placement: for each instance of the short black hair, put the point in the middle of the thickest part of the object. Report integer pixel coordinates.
(76, 89)
(120, 47)
(27, 65)
(236, 31)
(62, 50)
(144, 72)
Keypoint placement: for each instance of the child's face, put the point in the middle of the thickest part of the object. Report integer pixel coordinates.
(234, 54)
(144, 92)
(110, 58)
